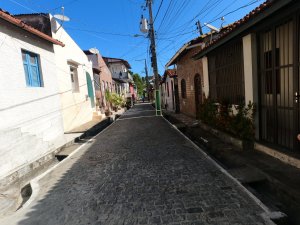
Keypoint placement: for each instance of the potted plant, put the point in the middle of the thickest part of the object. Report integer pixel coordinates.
(108, 98)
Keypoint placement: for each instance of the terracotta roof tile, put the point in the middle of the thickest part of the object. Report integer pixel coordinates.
(239, 23)
(169, 72)
(19, 23)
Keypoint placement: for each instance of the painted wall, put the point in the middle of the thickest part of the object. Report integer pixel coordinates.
(76, 106)
(168, 97)
(116, 68)
(31, 120)
(104, 79)
(205, 77)
(247, 53)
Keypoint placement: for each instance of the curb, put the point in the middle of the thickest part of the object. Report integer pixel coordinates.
(267, 215)
(35, 182)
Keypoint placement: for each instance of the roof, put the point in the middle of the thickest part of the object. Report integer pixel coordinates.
(244, 23)
(169, 72)
(19, 23)
(182, 50)
(196, 42)
(110, 60)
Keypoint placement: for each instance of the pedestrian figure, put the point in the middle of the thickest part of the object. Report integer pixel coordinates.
(133, 99)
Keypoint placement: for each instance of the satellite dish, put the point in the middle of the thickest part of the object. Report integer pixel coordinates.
(94, 51)
(212, 27)
(61, 17)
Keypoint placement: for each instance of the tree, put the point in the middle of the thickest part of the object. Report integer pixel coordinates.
(140, 83)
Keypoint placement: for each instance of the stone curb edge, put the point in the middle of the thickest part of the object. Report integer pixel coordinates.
(35, 182)
(267, 214)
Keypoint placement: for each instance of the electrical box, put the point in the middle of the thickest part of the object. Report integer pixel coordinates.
(144, 25)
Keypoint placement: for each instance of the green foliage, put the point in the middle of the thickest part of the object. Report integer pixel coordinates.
(243, 123)
(140, 83)
(222, 116)
(108, 96)
(117, 100)
(208, 112)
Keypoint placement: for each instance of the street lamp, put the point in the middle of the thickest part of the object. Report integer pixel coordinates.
(139, 35)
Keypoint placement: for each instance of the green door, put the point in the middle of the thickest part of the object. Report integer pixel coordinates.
(90, 89)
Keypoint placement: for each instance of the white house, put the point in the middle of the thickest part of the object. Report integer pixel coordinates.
(30, 110)
(74, 70)
(119, 69)
(168, 90)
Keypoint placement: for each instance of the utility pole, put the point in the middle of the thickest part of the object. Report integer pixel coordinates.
(154, 59)
(199, 27)
(147, 79)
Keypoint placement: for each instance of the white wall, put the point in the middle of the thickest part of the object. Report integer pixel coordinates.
(248, 65)
(205, 76)
(168, 100)
(76, 107)
(116, 68)
(31, 120)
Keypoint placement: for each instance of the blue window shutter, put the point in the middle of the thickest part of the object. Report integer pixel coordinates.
(31, 68)
(26, 74)
(35, 82)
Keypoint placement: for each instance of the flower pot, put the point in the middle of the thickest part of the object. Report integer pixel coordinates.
(107, 113)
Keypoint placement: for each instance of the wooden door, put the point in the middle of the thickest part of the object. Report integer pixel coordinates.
(198, 93)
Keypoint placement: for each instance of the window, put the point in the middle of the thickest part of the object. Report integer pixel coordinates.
(74, 78)
(32, 69)
(183, 88)
(268, 62)
(226, 74)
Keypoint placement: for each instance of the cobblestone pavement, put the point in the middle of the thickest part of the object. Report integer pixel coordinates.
(140, 171)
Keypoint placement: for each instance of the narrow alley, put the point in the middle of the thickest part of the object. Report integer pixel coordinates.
(140, 170)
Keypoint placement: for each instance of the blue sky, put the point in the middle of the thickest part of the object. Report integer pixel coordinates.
(110, 25)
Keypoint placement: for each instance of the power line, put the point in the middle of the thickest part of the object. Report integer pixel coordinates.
(100, 32)
(165, 15)
(161, 2)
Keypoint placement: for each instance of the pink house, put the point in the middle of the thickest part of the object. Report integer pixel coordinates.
(102, 78)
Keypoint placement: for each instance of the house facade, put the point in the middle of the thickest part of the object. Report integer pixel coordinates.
(74, 72)
(257, 60)
(31, 120)
(102, 79)
(189, 77)
(168, 100)
(119, 69)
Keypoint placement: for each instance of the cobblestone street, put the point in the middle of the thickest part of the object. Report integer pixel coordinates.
(139, 171)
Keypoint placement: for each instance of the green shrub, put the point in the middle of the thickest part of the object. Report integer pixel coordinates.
(222, 117)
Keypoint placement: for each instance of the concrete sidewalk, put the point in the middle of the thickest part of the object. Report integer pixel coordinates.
(140, 170)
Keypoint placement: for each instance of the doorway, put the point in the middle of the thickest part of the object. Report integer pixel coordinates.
(198, 93)
(279, 85)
